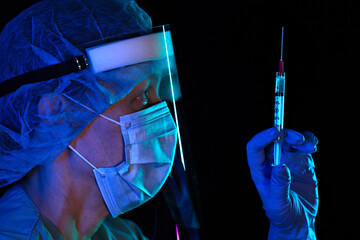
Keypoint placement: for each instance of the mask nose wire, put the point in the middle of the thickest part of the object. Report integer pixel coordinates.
(83, 158)
(93, 111)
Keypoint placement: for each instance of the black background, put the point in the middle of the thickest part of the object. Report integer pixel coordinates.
(227, 54)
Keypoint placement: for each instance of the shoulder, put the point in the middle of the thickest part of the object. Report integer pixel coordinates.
(19, 215)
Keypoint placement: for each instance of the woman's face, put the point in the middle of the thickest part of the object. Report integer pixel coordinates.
(101, 142)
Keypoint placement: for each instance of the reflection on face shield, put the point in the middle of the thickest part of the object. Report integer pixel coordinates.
(149, 54)
(147, 74)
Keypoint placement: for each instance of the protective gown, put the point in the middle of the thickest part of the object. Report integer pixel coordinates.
(20, 219)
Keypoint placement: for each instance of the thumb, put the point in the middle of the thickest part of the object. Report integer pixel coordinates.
(280, 184)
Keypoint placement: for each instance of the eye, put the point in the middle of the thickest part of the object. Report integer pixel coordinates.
(141, 100)
(146, 93)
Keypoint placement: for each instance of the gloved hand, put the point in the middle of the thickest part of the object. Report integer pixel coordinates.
(288, 191)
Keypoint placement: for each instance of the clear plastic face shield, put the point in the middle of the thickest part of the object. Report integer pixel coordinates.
(150, 61)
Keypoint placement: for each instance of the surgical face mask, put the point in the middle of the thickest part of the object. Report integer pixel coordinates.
(150, 137)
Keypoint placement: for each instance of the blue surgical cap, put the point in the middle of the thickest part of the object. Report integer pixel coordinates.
(47, 33)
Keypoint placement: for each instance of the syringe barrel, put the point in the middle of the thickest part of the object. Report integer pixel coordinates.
(279, 101)
(279, 114)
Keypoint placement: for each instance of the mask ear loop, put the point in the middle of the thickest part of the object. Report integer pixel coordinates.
(83, 158)
(103, 116)
(93, 111)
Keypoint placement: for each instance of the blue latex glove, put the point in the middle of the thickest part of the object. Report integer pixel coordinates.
(288, 191)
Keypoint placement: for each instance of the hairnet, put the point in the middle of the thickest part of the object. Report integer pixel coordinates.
(47, 33)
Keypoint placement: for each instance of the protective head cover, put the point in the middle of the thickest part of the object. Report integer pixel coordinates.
(48, 33)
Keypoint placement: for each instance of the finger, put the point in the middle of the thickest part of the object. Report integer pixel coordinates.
(280, 182)
(310, 144)
(259, 167)
(292, 137)
(255, 147)
(277, 204)
(303, 177)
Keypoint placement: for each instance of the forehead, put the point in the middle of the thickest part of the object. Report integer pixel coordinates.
(138, 72)
(117, 83)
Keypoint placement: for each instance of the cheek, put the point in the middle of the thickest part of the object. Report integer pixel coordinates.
(110, 144)
(137, 104)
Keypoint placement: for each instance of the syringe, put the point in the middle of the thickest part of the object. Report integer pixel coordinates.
(279, 104)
